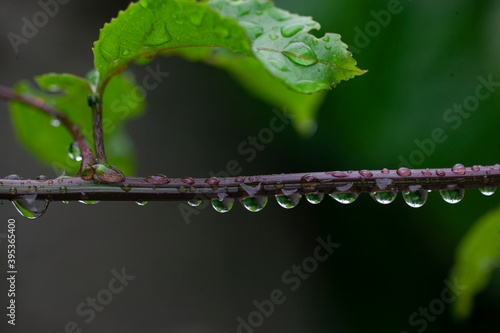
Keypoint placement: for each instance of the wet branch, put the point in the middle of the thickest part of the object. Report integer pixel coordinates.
(87, 156)
(96, 104)
(160, 188)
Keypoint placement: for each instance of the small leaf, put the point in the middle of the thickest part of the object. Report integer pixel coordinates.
(69, 94)
(477, 256)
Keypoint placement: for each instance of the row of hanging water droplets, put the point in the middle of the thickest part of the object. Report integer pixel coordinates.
(415, 199)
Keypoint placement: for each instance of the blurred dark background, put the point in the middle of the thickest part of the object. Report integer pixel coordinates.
(201, 277)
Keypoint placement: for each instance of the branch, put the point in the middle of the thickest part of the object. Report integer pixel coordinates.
(96, 104)
(160, 188)
(87, 157)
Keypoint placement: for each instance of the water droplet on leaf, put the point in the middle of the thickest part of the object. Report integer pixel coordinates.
(273, 37)
(300, 54)
(452, 196)
(288, 201)
(55, 122)
(158, 35)
(254, 204)
(291, 30)
(88, 202)
(141, 203)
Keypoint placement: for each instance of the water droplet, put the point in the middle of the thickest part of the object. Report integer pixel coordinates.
(224, 205)
(194, 203)
(66, 202)
(88, 202)
(338, 174)
(141, 203)
(108, 173)
(273, 37)
(74, 152)
(13, 177)
(158, 35)
(315, 41)
(126, 187)
(385, 171)
(222, 31)
(125, 52)
(182, 189)
(404, 172)
(476, 168)
(63, 189)
(315, 198)
(415, 199)
(427, 173)
(487, 190)
(366, 173)
(279, 65)
(188, 180)
(291, 30)
(239, 179)
(213, 181)
(13, 190)
(300, 54)
(42, 178)
(158, 179)
(251, 189)
(328, 47)
(326, 39)
(384, 198)
(252, 29)
(32, 189)
(345, 198)
(55, 122)
(278, 14)
(196, 17)
(309, 182)
(452, 196)
(288, 201)
(459, 169)
(254, 204)
(440, 173)
(29, 207)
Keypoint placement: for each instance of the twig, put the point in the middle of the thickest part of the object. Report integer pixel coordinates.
(87, 156)
(96, 104)
(162, 189)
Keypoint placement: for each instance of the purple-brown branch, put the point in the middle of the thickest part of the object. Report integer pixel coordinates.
(87, 156)
(162, 189)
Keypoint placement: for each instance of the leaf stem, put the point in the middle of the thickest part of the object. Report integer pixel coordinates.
(175, 189)
(95, 103)
(87, 156)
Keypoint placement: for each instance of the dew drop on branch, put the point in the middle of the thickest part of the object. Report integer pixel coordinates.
(452, 196)
(29, 207)
(288, 201)
(254, 204)
(223, 205)
(384, 198)
(415, 199)
(487, 190)
(345, 198)
(315, 198)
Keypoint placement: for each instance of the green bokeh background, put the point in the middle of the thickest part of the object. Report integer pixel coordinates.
(200, 277)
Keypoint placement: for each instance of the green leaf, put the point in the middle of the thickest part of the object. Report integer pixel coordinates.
(50, 141)
(255, 28)
(477, 256)
(282, 43)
